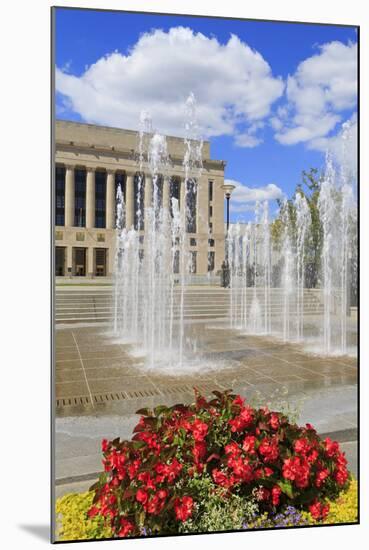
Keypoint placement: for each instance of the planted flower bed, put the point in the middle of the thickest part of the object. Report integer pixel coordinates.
(214, 465)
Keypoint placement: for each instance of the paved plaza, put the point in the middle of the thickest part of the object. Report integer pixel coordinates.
(100, 383)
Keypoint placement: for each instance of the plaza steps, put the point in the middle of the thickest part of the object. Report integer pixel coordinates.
(96, 305)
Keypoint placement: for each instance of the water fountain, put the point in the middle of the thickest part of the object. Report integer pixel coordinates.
(268, 276)
(149, 295)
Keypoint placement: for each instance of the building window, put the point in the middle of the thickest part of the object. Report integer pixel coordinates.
(193, 262)
(210, 191)
(80, 236)
(191, 196)
(120, 179)
(141, 239)
(210, 227)
(211, 242)
(58, 235)
(211, 261)
(79, 262)
(176, 262)
(100, 262)
(192, 242)
(59, 261)
(100, 237)
(210, 211)
(79, 197)
(139, 192)
(59, 195)
(174, 192)
(100, 198)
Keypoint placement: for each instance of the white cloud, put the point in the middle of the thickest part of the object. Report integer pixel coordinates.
(242, 195)
(343, 146)
(322, 88)
(232, 83)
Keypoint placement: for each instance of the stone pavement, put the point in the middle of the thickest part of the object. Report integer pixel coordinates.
(100, 383)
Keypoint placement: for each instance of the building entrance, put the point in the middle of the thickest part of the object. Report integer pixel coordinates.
(59, 261)
(100, 262)
(79, 262)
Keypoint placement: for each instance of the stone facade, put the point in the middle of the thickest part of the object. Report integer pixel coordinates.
(85, 237)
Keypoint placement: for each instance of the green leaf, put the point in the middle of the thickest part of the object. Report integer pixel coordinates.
(138, 444)
(286, 488)
(145, 411)
(160, 409)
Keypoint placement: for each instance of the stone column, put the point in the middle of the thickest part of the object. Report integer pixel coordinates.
(90, 198)
(166, 193)
(69, 196)
(90, 261)
(130, 200)
(147, 198)
(202, 225)
(69, 261)
(110, 199)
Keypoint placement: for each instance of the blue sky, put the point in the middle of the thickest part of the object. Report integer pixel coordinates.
(271, 100)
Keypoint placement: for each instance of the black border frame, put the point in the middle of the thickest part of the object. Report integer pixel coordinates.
(52, 267)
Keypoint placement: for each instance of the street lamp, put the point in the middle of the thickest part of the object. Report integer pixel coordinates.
(227, 188)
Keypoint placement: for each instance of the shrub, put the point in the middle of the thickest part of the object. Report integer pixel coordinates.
(73, 522)
(214, 509)
(254, 454)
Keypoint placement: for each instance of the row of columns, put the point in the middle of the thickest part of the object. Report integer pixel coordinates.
(110, 197)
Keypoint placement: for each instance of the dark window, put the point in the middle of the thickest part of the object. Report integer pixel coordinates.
(191, 194)
(211, 242)
(100, 198)
(100, 262)
(80, 197)
(79, 262)
(193, 264)
(139, 192)
(59, 195)
(176, 262)
(192, 242)
(159, 192)
(210, 191)
(59, 261)
(120, 179)
(174, 192)
(211, 261)
(210, 211)
(210, 227)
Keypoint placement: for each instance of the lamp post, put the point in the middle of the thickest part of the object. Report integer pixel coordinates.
(227, 188)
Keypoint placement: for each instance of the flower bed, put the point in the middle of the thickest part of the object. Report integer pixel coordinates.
(210, 466)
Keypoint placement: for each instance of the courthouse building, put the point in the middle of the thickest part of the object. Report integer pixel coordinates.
(90, 162)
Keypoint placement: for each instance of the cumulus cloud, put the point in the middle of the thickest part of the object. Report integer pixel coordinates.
(323, 87)
(343, 146)
(244, 197)
(233, 84)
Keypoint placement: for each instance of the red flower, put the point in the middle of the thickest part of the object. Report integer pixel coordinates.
(331, 447)
(199, 430)
(247, 415)
(318, 510)
(312, 456)
(341, 475)
(274, 421)
(155, 505)
(133, 468)
(104, 445)
(268, 448)
(296, 469)
(302, 446)
(232, 449)
(199, 451)
(321, 476)
(93, 512)
(219, 477)
(238, 400)
(142, 496)
(126, 527)
(183, 508)
(248, 444)
(276, 494)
